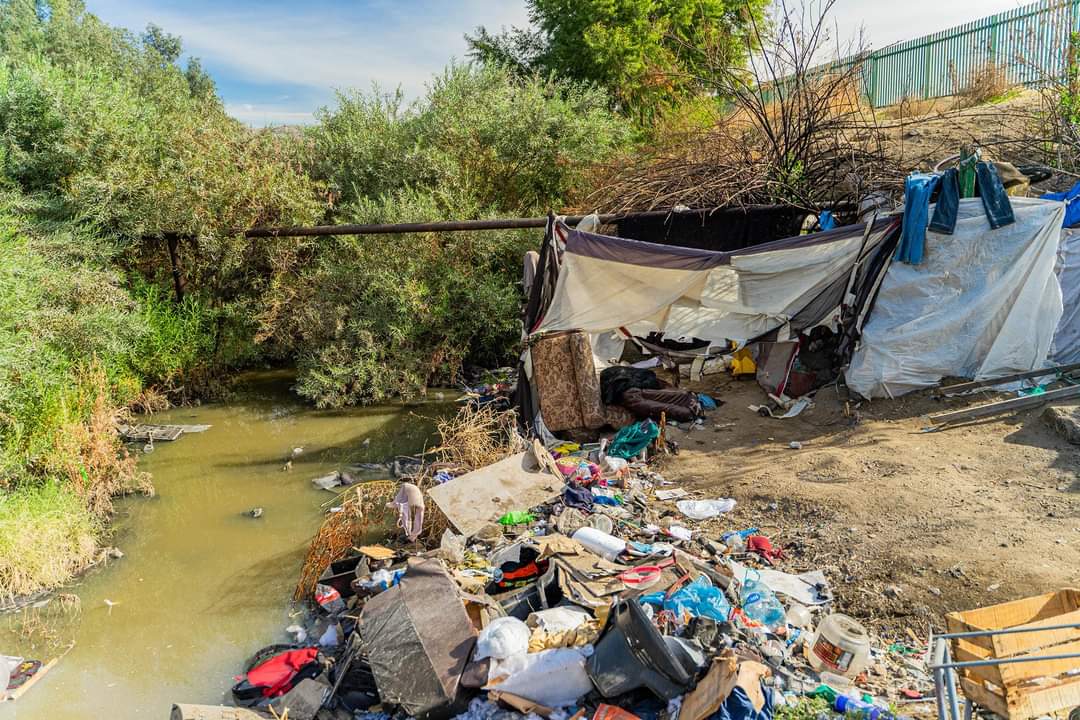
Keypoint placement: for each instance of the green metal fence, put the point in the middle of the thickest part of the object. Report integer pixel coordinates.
(1028, 44)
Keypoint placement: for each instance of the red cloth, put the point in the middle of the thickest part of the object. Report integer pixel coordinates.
(763, 546)
(275, 675)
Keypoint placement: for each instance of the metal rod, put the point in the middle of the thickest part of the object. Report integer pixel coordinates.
(964, 387)
(1008, 631)
(939, 681)
(1021, 403)
(950, 688)
(1005, 661)
(463, 225)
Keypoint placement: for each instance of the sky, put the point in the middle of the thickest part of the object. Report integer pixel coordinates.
(277, 61)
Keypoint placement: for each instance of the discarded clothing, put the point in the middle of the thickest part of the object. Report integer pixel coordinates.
(762, 546)
(270, 675)
(616, 380)
(632, 439)
(678, 405)
(576, 496)
(917, 191)
(409, 502)
(994, 198)
(739, 707)
(948, 202)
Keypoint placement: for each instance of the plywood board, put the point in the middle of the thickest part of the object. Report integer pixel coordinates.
(482, 496)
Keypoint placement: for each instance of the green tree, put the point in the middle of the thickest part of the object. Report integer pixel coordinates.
(649, 54)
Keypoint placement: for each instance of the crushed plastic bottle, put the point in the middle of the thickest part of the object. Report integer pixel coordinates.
(760, 604)
(517, 517)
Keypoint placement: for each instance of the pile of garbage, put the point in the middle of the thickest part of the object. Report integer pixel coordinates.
(569, 581)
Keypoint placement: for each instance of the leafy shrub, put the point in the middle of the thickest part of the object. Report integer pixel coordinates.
(372, 317)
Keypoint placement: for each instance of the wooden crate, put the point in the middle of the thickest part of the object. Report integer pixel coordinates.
(1020, 691)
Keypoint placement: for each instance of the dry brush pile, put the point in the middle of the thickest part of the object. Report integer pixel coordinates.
(474, 438)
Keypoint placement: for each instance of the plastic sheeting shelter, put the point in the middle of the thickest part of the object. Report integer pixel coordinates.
(606, 283)
(1066, 347)
(982, 304)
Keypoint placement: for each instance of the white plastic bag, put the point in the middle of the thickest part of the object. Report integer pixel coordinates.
(558, 619)
(453, 547)
(705, 509)
(555, 678)
(503, 638)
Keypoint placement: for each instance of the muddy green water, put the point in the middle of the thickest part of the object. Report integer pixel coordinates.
(202, 586)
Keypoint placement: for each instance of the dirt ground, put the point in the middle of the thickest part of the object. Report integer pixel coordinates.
(906, 525)
(920, 134)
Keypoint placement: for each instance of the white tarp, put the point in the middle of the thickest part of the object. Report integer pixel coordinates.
(983, 303)
(1066, 347)
(606, 283)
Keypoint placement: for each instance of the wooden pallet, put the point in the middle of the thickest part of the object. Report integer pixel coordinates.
(1020, 691)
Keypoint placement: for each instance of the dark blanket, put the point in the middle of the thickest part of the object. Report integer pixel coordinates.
(616, 380)
(678, 405)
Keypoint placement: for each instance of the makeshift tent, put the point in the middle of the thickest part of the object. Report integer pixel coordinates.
(982, 303)
(606, 283)
(1065, 350)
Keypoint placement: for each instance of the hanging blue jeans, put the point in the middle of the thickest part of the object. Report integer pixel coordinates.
(919, 187)
(948, 203)
(994, 198)
(917, 191)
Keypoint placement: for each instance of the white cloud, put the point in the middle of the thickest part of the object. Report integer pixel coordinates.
(403, 44)
(887, 22)
(265, 115)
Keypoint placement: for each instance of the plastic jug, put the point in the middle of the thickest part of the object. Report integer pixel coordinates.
(840, 645)
(760, 604)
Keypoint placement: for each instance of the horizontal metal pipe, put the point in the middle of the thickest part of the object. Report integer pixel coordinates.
(464, 225)
(1008, 631)
(1004, 661)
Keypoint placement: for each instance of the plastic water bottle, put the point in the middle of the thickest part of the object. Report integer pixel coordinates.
(760, 604)
(850, 706)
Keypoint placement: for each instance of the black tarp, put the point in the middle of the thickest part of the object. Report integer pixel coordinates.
(417, 638)
(725, 229)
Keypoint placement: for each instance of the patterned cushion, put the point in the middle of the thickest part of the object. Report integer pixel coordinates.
(567, 382)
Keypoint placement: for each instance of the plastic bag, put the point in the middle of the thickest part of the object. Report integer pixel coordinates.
(698, 599)
(503, 638)
(632, 439)
(705, 509)
(558, 619)
(453, 546)
(555, 678)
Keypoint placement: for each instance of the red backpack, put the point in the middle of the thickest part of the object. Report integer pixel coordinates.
(269, 677)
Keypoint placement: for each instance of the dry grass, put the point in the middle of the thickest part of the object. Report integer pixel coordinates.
(47, 627)
(477, 437)
(472, 439)
(150, 400)
(984, 84)
(93, 458)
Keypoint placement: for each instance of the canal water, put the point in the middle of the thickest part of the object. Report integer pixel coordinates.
(203, 585)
